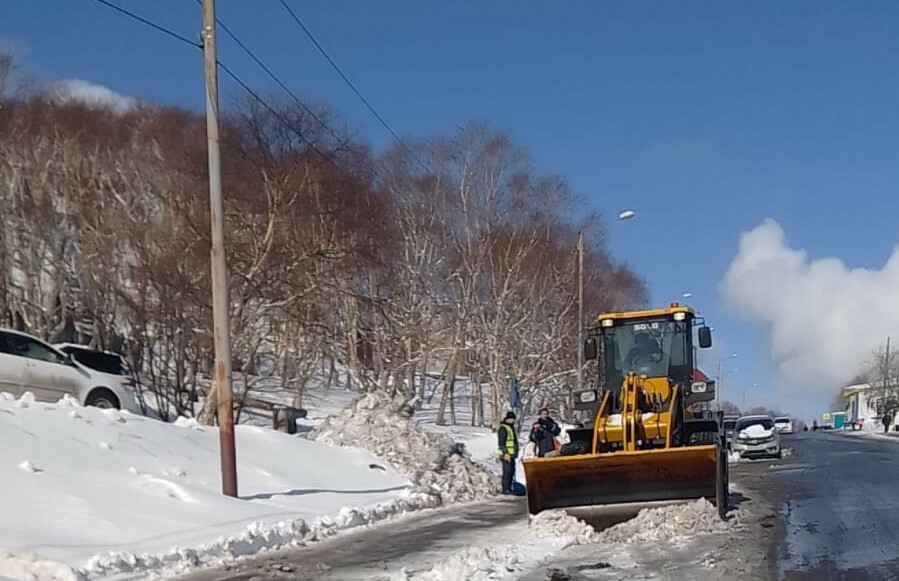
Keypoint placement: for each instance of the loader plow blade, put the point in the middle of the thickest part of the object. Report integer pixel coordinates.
(646, 476)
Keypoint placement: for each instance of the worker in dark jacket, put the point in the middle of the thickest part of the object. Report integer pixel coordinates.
(508, 450)
(543, 433)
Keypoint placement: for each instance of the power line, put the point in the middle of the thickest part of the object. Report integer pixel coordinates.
(275, 77)
(346, 79)
(227, 70)
(195, 44)
(153, 25)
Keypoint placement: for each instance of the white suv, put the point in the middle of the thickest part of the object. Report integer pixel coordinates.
(756, 436)
(29, 364)
(784, 425)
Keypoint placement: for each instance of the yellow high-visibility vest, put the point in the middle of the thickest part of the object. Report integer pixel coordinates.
(510, 440)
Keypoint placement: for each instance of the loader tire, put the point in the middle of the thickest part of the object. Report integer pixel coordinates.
(573, 449)
(703, 438)
(722, 485)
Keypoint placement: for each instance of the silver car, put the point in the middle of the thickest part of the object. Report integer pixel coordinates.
(756, 437)
(29, 364)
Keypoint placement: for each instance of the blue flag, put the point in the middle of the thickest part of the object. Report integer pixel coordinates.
(514, 394)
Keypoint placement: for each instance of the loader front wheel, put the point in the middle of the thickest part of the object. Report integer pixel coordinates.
(721, 485)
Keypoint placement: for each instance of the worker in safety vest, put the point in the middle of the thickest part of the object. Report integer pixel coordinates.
(508, 450)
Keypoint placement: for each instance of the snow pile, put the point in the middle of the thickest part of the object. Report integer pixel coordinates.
(674, 524)
(756, 431)
(549, 532)
(435, 464)
(101, 492)
(30, 567)
(473, 564)
(559, 524)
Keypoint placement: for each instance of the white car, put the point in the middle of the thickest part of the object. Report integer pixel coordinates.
(784, 425)
(29, 364)
(756, 436)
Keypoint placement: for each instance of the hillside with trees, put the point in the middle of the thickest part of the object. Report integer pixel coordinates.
(452, 254)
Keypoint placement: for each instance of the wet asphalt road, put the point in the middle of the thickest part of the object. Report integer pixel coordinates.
(414, 543)
(838, 497)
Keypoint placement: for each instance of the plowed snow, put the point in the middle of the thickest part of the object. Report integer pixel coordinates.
(435, 464)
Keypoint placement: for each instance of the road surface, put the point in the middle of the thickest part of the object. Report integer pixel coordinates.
(839, 503)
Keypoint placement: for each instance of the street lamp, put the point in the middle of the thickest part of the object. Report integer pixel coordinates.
(623, 215)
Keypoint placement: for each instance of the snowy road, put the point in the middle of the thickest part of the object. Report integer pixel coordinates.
(828, 511)
(840, 506)
(412, 543)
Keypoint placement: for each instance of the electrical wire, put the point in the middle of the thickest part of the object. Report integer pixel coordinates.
(348, 82)
(153, 25)
(228, 71)
(340, 72)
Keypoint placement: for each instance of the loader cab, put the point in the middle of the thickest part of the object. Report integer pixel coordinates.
(657, 344)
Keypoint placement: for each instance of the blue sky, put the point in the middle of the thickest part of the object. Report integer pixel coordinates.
(704, 117)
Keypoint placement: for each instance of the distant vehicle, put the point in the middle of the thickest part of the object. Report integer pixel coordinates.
(756, 436)
(728, 424)
(784, 425)
(29, 364)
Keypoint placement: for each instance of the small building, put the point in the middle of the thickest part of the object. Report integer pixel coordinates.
(865, 404)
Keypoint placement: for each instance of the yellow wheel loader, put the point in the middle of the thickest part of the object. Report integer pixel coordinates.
(648, 440)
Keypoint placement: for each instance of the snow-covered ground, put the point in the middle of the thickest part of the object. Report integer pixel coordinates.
(102, 494)
(105, 492)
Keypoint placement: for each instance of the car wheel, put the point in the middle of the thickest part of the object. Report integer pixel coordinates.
(103, 398)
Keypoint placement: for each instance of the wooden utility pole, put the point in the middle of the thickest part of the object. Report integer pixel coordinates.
(220, 300)
(580, 313)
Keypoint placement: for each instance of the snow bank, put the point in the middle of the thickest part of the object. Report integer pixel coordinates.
(92, 493)
(30, 567)
(436, 465)
(674, 524)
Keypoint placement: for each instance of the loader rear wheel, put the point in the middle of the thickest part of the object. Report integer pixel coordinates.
(722, 484)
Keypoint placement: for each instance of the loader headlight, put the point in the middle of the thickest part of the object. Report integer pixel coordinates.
(680, 316)
(587, 396)
(607, 322)
(699, 387)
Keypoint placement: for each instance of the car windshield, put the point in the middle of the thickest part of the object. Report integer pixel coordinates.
(781, 420)
(764, 422)
(653, 348)
(97, 360)
(729, 425)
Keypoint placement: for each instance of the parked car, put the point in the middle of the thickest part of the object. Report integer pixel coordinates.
(29, 364)
(728, 424)
(756, 436)
(108, 368)
(784, 425)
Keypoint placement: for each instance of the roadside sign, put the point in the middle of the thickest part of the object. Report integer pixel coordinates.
(826, 416)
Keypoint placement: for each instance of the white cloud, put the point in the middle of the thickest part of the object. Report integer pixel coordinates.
(823, 320)
(90, 94)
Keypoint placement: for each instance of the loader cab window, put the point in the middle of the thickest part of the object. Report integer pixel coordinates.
(660, 348)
